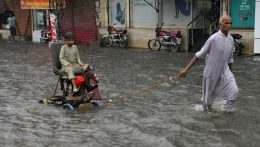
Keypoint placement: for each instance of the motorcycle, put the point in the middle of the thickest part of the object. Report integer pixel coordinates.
(45, 36)
(238, 44)
(114, 36)
(171, 40)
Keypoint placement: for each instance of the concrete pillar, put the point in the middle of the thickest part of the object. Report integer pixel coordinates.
(225, 7)
(104, 13)
(127, 14)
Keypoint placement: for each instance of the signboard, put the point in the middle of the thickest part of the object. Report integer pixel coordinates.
(39, 4)
(243, 13)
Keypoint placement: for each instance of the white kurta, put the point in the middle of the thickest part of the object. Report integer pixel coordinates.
(218, 80)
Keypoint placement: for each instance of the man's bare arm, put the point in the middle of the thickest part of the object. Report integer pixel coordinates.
(230, 66)
(185, 71)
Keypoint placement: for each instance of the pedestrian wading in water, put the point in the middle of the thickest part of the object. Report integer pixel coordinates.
(218, 80)
(12, 24)
(70, 59)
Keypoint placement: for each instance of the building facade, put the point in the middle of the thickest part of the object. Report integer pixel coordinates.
(23, 18)
(196, 19)
(77, 16)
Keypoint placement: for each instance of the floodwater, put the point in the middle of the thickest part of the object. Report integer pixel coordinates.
(168, 116)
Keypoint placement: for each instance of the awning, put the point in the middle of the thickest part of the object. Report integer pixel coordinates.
(41, 4)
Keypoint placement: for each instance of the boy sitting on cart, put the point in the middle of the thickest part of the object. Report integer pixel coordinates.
(70, 59)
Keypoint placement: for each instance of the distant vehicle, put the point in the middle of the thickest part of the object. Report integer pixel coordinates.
(238, 44)
(237, 41)
(45, 36)
(114, 36)
(171, 40)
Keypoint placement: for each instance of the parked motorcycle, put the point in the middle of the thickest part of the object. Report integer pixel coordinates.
(45, 36)
(237, 43)
(114, 36)
(171, 40)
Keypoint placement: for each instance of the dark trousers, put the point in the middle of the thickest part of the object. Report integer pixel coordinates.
(13, 31)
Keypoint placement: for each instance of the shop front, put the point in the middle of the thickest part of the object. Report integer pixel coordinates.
(140, 17)
(22, 17)
(79, 17)
(54, 17)
(196, 19)
(41, 11)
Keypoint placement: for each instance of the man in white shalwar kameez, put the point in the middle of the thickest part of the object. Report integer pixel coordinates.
(218, 80)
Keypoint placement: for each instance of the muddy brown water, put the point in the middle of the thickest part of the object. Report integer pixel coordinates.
(168, 116)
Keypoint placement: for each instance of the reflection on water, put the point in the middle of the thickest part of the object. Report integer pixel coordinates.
(169, 116)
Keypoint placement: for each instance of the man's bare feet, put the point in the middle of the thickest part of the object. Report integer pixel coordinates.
(207, 107)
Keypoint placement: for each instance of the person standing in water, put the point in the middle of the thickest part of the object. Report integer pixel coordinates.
(218, 80)
(12, 24)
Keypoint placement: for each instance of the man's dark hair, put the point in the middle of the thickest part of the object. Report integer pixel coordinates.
(68, 35)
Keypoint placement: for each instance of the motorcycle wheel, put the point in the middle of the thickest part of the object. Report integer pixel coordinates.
(123, 43)
(107, 41)
(154, 45)
(175, 46)
(237, 51)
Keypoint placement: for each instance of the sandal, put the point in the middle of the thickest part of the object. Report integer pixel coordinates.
(75, 90)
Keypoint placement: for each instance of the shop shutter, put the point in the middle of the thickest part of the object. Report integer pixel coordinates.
(67, 19)
(85, 23)
(79, 17)
(2, 7)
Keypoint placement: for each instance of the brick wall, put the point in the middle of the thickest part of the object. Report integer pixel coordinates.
(2, 6)
(23, 19)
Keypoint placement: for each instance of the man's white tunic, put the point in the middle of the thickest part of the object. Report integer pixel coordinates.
(218, 80)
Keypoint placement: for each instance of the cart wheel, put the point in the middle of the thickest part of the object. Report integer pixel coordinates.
(68, 106)
(97, 103)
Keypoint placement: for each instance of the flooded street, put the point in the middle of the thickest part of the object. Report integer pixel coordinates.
(168, 116)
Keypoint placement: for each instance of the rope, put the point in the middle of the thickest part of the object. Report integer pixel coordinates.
(127, 97)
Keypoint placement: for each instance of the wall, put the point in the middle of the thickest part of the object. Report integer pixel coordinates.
(143, 14)
(142, 30)
(138, 34)
(23, 19)
(4, 34)
(243, 14)
(103, 14)
(2, 6)
(139, 37)
(247, 40)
